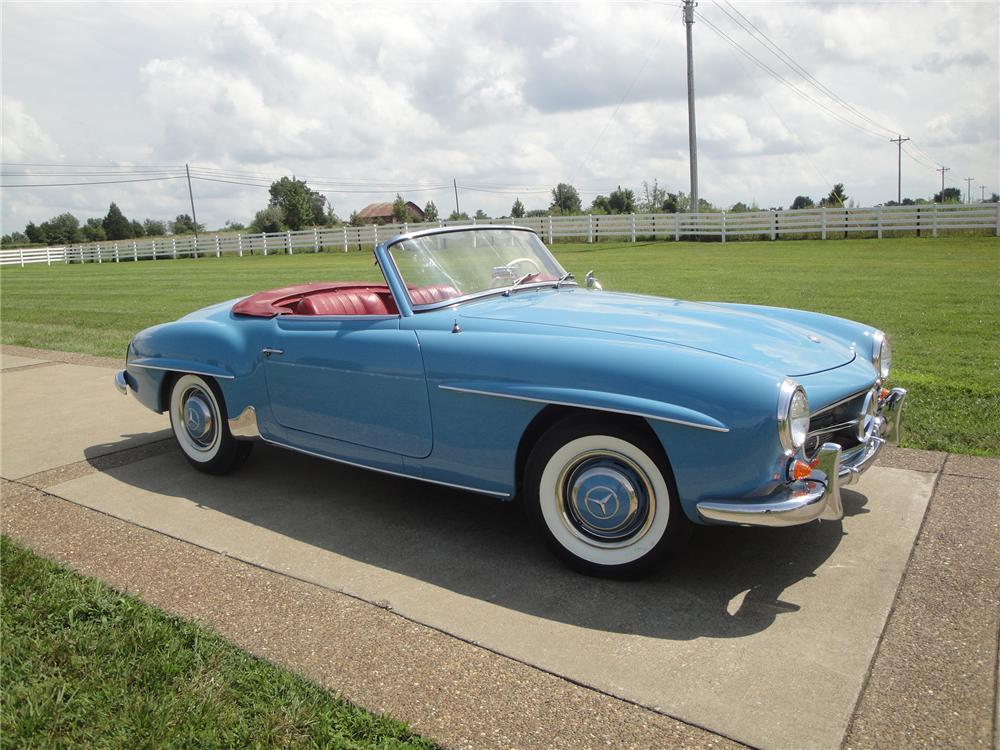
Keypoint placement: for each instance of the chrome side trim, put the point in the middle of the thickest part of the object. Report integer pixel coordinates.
(816, 497)
(583, 406)
(390, 472)
(187, 370)
(244, 426)
(121, 383)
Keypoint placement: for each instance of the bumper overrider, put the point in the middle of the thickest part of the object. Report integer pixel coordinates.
(817, 496)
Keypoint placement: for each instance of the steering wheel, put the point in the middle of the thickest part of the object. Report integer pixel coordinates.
(534, 267)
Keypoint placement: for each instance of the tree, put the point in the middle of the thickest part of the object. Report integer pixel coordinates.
(399, 210)
(600, 205)
(137, 229)
(565, 199)
(802, 201)
(481, 215)
(355, 220)
(184, 224)
(676, 203)
(63, 229)
(430, 212)
(837, 197)
(14, 238)
(536, 213)
(93, 230)
(456, 216)
(950, 195)
(739, 208)
(300, 205)
(994, 198)
(154, 228)
(653, 197)
(116, 226)
(517, 210)
(235, 226)
(622, 201)
(271, 219)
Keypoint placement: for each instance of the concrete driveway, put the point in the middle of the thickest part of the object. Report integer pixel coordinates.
(760, 635)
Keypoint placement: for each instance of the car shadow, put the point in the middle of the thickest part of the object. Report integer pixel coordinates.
(727, 582)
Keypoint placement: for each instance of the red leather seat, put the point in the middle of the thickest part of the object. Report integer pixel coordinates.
(343, 302)
(426, 295)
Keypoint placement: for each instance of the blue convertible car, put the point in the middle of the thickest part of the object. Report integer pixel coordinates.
(481, 364)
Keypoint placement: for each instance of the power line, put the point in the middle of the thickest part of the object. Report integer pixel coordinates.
(778, 52)
(103, 182)
(785, 81)
(320, 190)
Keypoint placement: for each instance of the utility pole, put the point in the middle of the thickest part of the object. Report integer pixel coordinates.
(454, 184)
(942, 170)
(983, 188)
(899, 141)
(689, 6)
(968, 191)
(194, 216)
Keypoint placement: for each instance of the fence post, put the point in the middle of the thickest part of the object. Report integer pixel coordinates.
(774, 225)
(633, 227)
(822, 235)
(116, 252)
(20, 252)
(878, 223)
(375, 227)
(723, 227)
(315, 240)
(48, 258)
(218, 250)
(934, 214)
(173, 246)
(550, 229)
(263, 237)
(239, 243)
(345, 239)
(590, 227)
(677, 227)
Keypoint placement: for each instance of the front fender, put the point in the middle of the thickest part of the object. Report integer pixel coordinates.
(223, 350)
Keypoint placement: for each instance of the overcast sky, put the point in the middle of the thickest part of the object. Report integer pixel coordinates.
(380, 97)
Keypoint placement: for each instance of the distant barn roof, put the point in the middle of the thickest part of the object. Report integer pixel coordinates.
(384, 210)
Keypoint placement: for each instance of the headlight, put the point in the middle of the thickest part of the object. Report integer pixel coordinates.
(793, 416)
(882, 355)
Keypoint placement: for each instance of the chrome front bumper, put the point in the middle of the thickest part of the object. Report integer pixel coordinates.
(121, 383)
(818, 495)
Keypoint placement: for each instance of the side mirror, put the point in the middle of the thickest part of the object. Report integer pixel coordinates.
(592, 282)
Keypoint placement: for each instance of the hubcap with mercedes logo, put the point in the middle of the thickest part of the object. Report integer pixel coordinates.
(605, 499)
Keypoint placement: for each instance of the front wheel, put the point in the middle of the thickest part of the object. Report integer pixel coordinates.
(198, 419)
(602, 495)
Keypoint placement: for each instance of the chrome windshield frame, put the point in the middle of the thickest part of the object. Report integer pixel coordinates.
(398, 288)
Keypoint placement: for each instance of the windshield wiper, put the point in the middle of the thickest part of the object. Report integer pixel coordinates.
(565, 277)
(518, 281)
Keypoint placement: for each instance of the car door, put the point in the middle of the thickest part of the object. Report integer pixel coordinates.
(358, 379)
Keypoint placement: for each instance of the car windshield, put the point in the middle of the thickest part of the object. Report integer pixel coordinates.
(447, 265)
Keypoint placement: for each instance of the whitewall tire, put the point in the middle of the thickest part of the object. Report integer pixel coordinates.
(601, 493)
(199, 421)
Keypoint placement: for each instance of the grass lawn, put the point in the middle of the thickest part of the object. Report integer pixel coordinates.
(85, 666)
(938, 299)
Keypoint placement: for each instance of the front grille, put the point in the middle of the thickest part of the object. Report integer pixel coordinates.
(836, 425)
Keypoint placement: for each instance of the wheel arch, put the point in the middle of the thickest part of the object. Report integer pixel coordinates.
(553, 414)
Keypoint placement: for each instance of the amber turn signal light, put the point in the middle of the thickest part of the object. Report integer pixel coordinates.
(799, 470)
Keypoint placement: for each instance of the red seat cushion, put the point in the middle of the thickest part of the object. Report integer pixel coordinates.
(426, 295)
(343, 302)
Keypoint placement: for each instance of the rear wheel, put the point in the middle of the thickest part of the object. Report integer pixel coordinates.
(602, 495)
(199, 421)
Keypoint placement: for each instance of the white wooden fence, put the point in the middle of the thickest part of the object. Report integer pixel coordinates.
(820, 223)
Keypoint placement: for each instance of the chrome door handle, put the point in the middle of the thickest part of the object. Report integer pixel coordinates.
(268, 351)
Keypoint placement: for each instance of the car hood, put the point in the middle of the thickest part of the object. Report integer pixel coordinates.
(749, 336)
